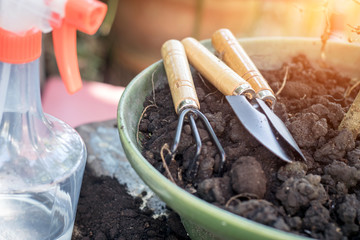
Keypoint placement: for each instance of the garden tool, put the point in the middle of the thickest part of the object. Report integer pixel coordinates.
(239, 94)
(236, 58)
(186, 102)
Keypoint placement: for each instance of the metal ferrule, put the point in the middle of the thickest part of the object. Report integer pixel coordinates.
(186, 103)
(245, 89)
(268, 97)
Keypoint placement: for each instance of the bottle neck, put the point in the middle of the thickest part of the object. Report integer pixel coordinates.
(20, 89)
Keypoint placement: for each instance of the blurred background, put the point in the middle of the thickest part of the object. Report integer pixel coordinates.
(131, 36)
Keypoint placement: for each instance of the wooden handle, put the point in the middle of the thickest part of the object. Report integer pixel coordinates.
(179, 76)
(237, 59)
(214, 70)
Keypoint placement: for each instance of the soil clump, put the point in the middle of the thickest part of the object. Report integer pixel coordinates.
(319, 198)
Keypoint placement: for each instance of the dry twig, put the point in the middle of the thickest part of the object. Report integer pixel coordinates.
(141, 117)
(153, 87)
(209, 94)
(166, 147)
(153, 104)
(180, 174)
(284, 81)
(335, 99)
(247, 195)
(203, 81)
(349, 90)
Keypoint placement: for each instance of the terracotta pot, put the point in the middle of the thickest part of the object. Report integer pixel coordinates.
(142, 26)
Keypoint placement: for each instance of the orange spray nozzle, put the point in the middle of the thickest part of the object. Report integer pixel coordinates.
(82, 15)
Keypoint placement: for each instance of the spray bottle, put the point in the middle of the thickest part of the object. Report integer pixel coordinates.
(42, 159)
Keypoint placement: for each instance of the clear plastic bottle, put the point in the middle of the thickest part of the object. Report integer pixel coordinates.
(41, 165)
(42, 159)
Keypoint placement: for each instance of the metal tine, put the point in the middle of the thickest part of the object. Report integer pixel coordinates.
(193, 166)
(215, 140)
(186, 102)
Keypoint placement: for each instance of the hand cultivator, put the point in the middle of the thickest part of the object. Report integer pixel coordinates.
(186, 102)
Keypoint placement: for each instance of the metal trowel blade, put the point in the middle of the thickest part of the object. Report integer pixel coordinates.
(256, 123)
(280, 127)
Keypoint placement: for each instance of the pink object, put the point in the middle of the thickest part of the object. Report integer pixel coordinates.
(95, 102)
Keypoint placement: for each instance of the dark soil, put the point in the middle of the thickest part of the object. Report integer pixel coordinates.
(318, 198)
(106, 211)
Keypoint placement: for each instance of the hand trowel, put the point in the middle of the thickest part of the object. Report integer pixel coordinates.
(240, 95)
(237, 59)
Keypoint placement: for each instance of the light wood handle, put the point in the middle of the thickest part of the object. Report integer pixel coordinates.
(179, 76)
(232, 53)
(214, 70)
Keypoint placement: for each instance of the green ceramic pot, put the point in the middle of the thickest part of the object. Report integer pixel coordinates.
(201, 219)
